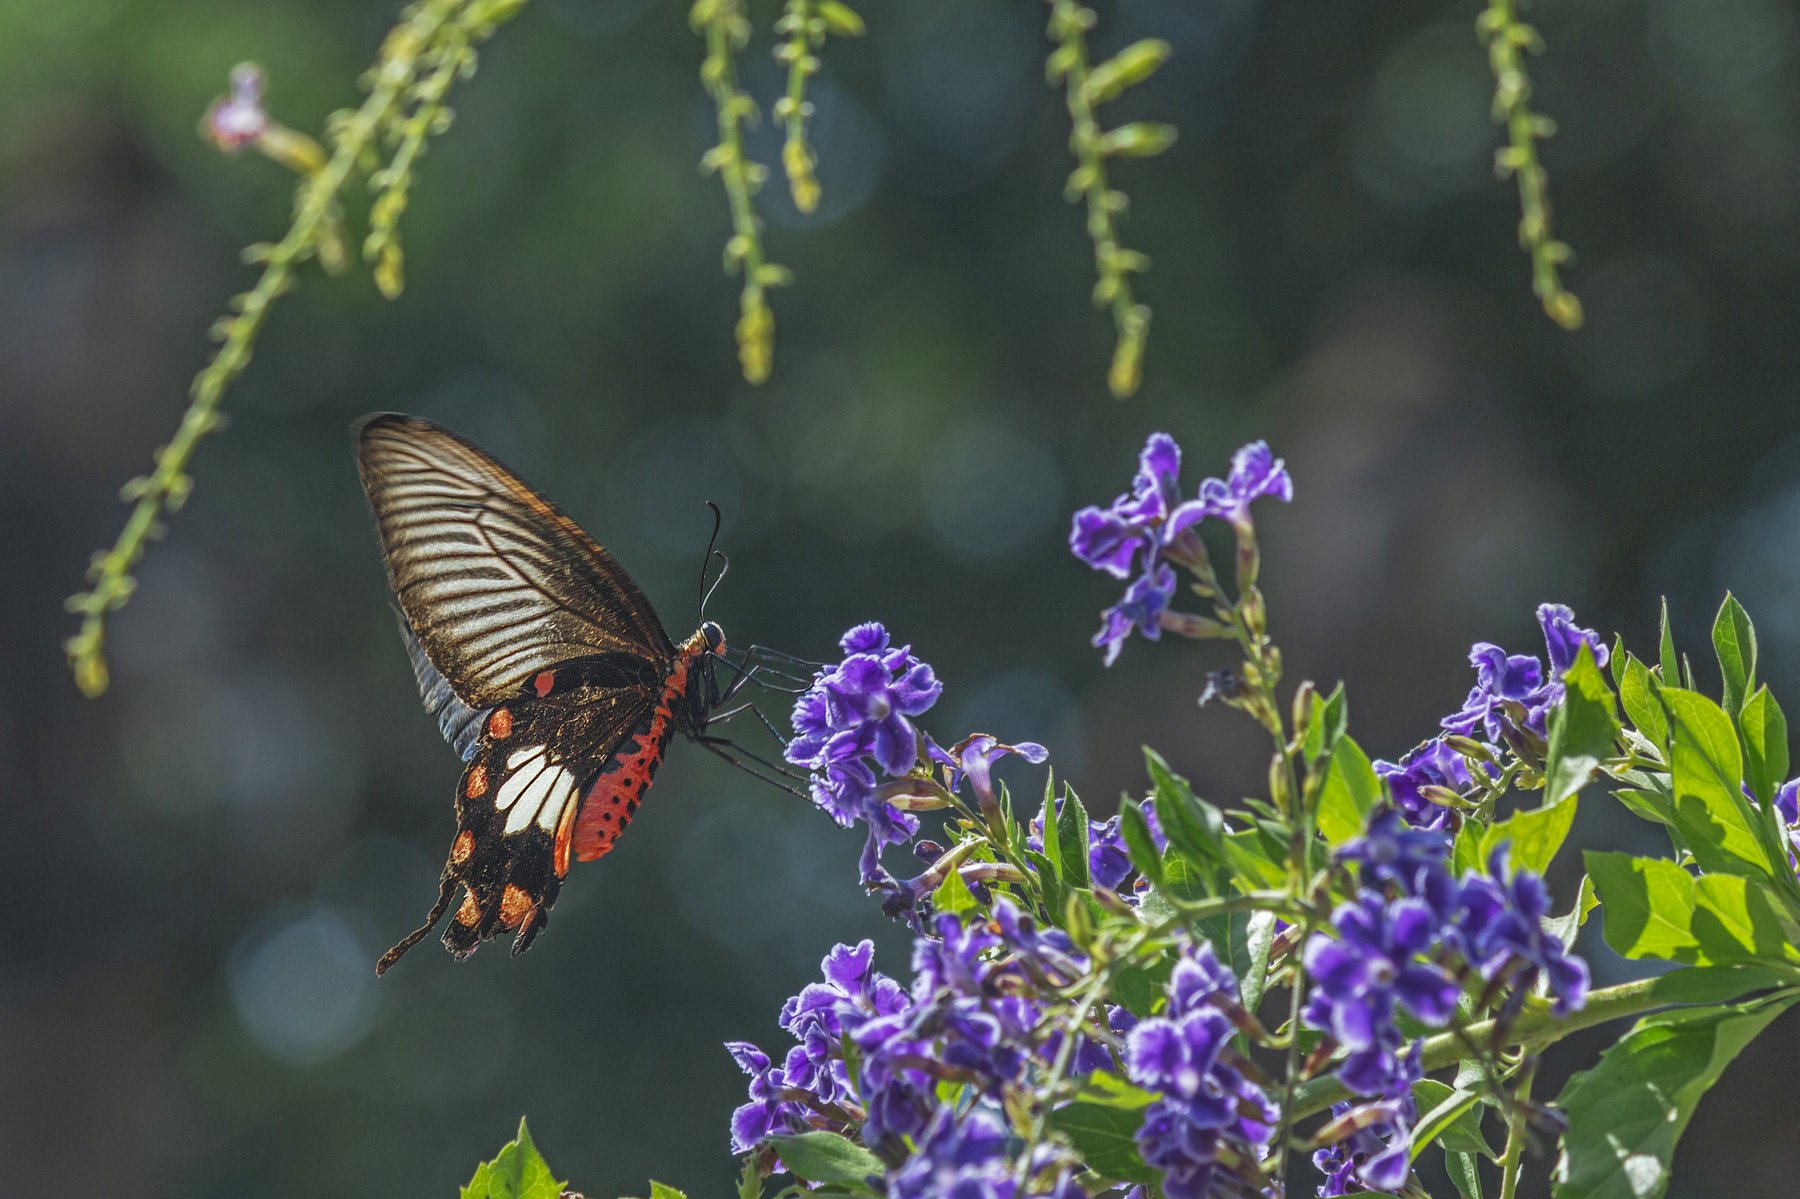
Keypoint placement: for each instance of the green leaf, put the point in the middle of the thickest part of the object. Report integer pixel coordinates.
(1109, 1089)
(1637, 693)
(1734, 641)
(1047, 817)
(1628, 1112)
(1229, 933)
(1048, 883)
(1140, 846)
(827, 1157)
(1717, 984)
(1707, 773)
(1465, 1173)
(1535, 835)
(1072, 838)
(662, 1190)
(953, 895)
(1450, 1116)
(1465, 851)
(1765, 745)
(1103, 1134)
(1325, 724)
(1583, 728)
(1130, 66)
(1566, 928)
(1254, 860)
(1666, 661)
(518, 1171)
(1260, 935)
(1655, 909)
(1194, 827)
(1350, 792)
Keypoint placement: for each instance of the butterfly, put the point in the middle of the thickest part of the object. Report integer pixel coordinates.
(545, 666)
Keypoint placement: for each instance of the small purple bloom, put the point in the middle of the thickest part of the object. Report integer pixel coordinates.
(1255, 473)
(973, 759)
(766, 1112)
(1374, 966)
(1502, 931)
(1391, 852)
(1377, 1155)
(1505, 683)
(1432, 764)
(1141, 609)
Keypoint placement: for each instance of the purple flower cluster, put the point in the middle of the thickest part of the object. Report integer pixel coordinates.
(1208, 1115)
(1151, 522)
(812, 1085)
(969, 1157)
(854, 725)
(1433, 764)
(969, 1018)
(1514, 692)
(1407, 943)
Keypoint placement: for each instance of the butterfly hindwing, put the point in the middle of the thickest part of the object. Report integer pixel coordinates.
(533, 760)
(493, 580)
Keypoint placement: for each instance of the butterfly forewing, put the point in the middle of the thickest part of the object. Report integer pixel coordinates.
(496, 583)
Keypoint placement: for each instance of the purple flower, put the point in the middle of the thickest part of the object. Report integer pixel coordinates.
(1255, 473)
(1433, 764)
(1511, 690)
(1141, 609)
(1391, 852)
(1374, 967)
(973, 759)
(1377, 1155)
(1109, 538)
(766, 1112)
(1502, 930)
(1204, 1102)
(855, 720)
(1109, 864)
(1787, 802)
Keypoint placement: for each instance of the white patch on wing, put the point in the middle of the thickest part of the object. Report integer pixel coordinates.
(519, 779)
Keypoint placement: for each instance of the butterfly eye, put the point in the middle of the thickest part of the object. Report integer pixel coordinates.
(715, 637)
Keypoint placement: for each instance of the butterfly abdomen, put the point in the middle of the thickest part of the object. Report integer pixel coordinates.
(614, 798)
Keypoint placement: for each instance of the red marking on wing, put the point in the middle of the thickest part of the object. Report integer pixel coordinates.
(613, 799)
(546, 679)
(500, 724)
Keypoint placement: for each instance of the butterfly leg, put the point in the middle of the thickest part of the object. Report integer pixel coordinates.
(729, 750)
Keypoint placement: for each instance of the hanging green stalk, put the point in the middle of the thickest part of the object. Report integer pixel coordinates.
(1086, 87)
(1508, 41)
(805, 25)
(420, 58)
(727, 31)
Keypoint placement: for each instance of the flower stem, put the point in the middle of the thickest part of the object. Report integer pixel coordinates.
(1514, 1157)
(1508, 40)
(163, 491)
(727, 31)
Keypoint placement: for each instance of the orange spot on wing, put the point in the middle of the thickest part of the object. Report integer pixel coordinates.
(499, 725)
(515, 905)
(476, 783)
(469, 914)
(462, 847)
(542, 684)
(565, 836)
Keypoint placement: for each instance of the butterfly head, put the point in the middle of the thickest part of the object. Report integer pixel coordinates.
(713, 635)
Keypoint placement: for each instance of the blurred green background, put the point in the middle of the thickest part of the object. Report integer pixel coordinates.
(203, 865)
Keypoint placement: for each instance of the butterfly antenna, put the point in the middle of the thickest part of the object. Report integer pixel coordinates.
(724, 566)
(706, 562)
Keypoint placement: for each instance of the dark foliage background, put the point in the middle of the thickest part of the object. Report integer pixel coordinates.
(202, 866)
